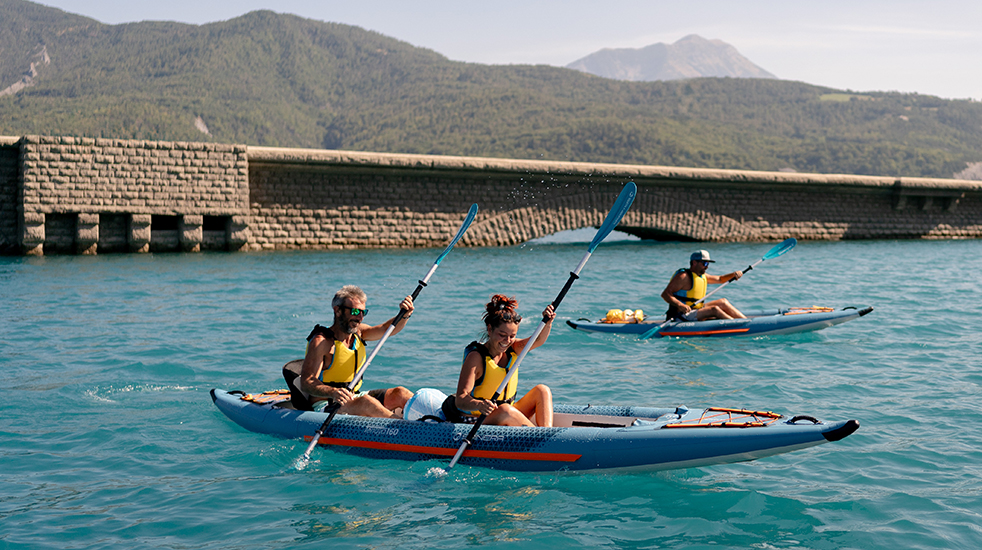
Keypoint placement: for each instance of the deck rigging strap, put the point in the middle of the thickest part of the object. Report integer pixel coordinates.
(272, 396)
(728, 418)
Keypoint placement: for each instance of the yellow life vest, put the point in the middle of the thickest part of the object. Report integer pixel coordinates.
(487, 384)
(694, 294)
(345, 363)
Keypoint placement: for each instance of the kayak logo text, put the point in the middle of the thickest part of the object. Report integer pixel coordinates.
(480, 437)
(382, 430)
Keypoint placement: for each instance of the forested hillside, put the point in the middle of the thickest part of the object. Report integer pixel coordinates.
(280, 80)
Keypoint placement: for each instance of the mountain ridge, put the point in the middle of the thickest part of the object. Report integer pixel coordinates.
(690, 57)
(281, 80)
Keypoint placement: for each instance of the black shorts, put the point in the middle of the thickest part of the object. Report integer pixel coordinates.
(452, 413)
(378, 395)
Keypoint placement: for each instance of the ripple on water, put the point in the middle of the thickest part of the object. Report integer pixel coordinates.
(110, 438)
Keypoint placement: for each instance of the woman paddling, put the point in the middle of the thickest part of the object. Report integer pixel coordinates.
(486, 366)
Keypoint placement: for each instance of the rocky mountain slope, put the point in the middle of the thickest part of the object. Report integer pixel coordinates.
(690, 57)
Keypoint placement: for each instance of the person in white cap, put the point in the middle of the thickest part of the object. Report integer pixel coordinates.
(688, 286)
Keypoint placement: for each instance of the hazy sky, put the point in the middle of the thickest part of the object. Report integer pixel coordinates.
(930, 48)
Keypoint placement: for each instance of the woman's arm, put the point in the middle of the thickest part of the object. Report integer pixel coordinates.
(470, 371)
(549, 315)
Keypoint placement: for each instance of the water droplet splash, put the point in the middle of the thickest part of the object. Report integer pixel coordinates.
(436, 472)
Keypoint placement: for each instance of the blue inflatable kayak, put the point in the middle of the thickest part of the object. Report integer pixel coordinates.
(585, 437)
(757, 323)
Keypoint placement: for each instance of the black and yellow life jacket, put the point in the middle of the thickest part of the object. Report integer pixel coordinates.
(694, 294)
(494, 374)
(690, 296)
(346, 361)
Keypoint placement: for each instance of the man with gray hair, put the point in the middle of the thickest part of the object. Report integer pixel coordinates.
(335, 353)
(688, 286)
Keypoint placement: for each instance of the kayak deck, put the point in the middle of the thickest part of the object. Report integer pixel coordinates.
(585, 437)
(757, 323)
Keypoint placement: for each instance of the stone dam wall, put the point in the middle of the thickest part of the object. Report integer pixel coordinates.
(86, 196)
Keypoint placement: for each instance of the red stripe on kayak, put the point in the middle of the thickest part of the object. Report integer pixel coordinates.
(502, 455)
(705, 332)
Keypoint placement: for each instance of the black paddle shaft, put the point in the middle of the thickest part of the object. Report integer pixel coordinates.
(562, 293)
(402, 312)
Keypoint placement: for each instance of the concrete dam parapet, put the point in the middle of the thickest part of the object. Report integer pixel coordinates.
(87, 196)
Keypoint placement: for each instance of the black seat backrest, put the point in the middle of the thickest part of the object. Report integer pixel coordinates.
(291, 373)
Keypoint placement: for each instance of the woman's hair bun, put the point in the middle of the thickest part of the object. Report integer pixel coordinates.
(501, 309)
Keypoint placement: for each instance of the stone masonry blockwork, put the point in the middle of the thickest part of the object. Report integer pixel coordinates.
(88, 196)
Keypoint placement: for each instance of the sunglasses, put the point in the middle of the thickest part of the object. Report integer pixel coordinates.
(705, 264)
(354, 311)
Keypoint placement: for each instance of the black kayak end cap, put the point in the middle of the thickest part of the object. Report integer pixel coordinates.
(864, 311)
(571, 323)
(843, 431)
(213, 396)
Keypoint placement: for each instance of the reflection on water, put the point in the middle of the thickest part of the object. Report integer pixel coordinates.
(582, 235)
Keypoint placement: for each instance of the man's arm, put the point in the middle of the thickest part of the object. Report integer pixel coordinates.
(676, 284)
(720, 279)
(369, 333)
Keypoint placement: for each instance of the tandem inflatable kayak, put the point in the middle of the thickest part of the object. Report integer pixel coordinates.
(757, 323)
(585, 437)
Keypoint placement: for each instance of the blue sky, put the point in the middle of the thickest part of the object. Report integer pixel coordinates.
(930, 48)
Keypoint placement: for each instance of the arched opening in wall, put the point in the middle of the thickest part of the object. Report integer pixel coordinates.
(163, 233)
(582, 235)
(650, 234)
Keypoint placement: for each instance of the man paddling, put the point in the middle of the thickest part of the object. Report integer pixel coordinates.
(335, 353)
(688, 286)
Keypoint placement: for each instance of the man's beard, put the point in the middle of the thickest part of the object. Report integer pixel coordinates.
(346, 326)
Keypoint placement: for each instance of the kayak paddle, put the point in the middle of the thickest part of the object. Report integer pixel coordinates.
(778, 250)
(617, 212)
(333, 409)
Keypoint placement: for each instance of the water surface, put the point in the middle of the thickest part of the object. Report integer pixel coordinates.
(110, 438)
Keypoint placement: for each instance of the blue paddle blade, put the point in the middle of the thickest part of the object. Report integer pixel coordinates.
(460, 232)
(780, 249)
(621, 206)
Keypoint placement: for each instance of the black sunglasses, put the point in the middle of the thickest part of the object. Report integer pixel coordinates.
(356, 311)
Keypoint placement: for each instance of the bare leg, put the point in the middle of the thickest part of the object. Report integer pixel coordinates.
(507, 415)
(708, 313)
(729, 309)
(396, 398)
(719, 309)
(367, 406)
(537, 404)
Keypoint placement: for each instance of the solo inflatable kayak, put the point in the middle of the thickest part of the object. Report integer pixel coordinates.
(757, 323)
(585, 437)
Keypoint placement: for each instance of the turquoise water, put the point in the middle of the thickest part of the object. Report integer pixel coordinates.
(110, 439)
